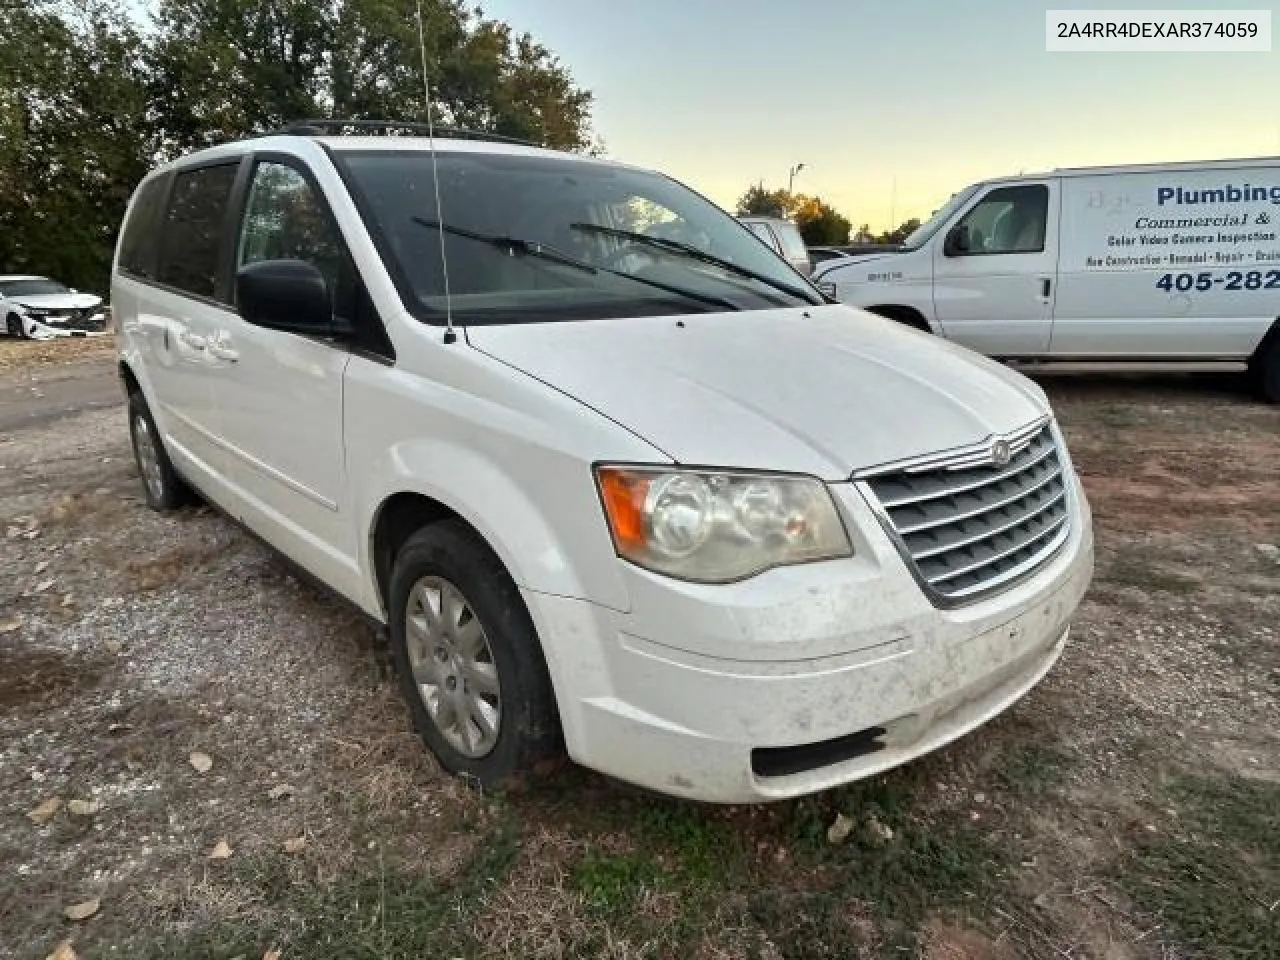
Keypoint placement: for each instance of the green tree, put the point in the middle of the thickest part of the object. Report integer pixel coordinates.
(90, 100)
(226, 68)
(759, 202)
(73, 135)
(899, 234)
(820, 224)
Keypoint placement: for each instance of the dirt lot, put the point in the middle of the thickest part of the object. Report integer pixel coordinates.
(1130, 807)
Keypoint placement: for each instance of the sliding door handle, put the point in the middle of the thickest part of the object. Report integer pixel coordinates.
(220, 349)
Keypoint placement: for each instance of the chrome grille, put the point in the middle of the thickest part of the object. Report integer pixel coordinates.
(967, 526)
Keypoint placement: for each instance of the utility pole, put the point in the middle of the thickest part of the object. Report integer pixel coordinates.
(791, 179)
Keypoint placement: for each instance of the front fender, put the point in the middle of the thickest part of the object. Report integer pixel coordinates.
(550, 534)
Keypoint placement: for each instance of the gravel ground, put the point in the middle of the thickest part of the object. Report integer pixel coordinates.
(135, 647)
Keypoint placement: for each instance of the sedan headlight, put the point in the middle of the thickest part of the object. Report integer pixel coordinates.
(716, 526)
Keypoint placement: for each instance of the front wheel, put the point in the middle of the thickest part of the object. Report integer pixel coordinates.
(468, 658)
(13, 326)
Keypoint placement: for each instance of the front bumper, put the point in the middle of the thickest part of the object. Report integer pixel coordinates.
(694, 689)
(50, 327)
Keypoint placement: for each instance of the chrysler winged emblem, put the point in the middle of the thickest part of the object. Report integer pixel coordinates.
(1000, 454)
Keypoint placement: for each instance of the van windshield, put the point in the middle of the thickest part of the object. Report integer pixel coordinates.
(920, 236)
(533, 238)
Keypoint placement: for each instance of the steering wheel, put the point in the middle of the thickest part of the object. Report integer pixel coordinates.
(631, 248)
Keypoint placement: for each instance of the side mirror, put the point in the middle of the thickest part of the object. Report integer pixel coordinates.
(72, 290)
(285, 295)
(957, 242)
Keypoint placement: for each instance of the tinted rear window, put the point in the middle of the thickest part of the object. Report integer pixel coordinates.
(195, 227)
(138, 243)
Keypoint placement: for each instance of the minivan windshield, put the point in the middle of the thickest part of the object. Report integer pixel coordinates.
(534, 238)
(920, 236)
(31, 287)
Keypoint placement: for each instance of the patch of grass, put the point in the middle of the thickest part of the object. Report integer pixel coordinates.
(1135, 571)
(705, 850)
(812, 925)
(380, 911)
(1031, 768)
(1213, 872)
(928, 863)
(611, 884)
(1118, 417)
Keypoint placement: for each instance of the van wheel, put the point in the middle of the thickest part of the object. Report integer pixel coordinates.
(163, 488)
(1265, 368)
(13, 325)
(468, 658)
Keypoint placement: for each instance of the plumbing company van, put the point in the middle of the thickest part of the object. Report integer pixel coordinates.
(1177, 261)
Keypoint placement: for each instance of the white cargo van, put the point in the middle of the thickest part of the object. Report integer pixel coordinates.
(1176, 261)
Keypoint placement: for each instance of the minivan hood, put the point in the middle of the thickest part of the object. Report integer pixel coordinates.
(58, 301)
(822, 391)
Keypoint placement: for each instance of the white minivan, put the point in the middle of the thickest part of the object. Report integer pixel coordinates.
(1177, 261)
(646, 499)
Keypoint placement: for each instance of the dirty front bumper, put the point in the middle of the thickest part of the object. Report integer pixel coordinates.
(800, 679)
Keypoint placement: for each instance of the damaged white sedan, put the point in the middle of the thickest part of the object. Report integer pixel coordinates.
(37, 308)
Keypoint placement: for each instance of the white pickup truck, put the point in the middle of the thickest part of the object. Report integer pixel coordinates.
(1156, 262)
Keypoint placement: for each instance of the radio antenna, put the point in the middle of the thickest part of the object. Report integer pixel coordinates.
(450, 336)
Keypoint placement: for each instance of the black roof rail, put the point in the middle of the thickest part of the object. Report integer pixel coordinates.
(389, 128)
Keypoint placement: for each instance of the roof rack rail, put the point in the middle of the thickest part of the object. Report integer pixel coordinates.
(338, 127)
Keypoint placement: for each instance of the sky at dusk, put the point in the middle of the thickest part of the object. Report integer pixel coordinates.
(926, 94)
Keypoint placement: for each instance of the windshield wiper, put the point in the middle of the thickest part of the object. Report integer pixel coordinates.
(513, 245)
(543, 251)
(688, 250)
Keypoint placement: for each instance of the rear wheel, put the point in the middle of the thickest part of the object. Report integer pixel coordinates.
(468, 658)
(1265, 369)
(13, 326)
(163, 488)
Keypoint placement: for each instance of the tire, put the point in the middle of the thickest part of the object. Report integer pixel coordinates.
(454, 678)
(1265, 369)
(13, 326)
(163, 488)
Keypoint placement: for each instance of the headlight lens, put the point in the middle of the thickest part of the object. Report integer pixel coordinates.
(718, 526)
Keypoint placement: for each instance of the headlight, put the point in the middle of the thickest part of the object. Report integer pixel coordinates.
(716, 526)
